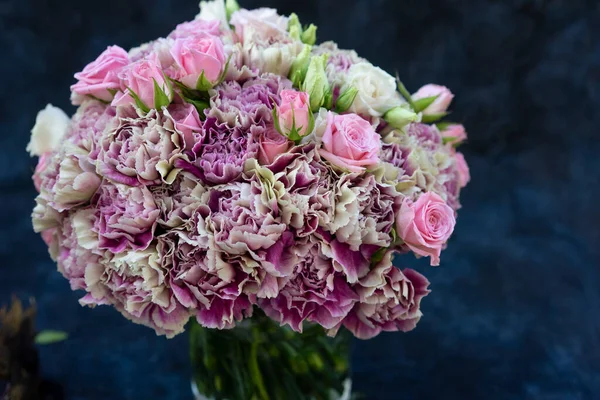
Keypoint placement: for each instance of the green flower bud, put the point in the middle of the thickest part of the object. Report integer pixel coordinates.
(315, 83)
(231, 6)
(401, 116)
(300, 66)
(309, 36)
(346, 99)
(294, 27)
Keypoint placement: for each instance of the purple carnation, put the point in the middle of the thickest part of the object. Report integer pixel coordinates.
(392, 153)
(77, 247)
(134, 283)
(240, 221)
(219, 156)
(308, 189)
(389, 300)
(364, 211)
(316, 293)
(427, 136)
(88, 125)
(247, 104)
(214, 292)
(126, 217)
(140, 149)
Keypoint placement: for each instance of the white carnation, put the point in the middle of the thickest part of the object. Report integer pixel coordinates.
(213, 10)
(51, 124)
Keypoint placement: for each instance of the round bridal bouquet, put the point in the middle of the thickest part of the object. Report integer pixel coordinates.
(239, 179)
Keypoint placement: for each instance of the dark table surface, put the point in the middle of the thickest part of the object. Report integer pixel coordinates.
(515, 308)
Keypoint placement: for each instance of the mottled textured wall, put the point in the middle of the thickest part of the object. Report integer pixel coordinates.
(515, 308)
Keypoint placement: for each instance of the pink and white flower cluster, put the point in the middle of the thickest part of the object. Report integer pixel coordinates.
(235, 164)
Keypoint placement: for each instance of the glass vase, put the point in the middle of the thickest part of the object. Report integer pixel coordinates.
(259, 360)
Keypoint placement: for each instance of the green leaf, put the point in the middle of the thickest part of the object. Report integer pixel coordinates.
(404, 92)
(421, 104)
(429, 118)
(276, 121)
(443, 125)
(328, 99)
(378, 256)
(200, 105)
(294, 27)
(49, 337)
(112, 92)
(203, 84)
(160, 97)
(138, 102)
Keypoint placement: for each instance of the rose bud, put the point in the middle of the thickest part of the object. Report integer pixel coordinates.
(293, 115)
(440, 104)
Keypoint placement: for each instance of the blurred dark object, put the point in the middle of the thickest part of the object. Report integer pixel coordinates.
(19, 361)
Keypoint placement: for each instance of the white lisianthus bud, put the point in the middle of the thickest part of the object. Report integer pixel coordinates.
(399, 117)
(345, 100)
(51, 124)
(294, 27)
(231, 6)
(315, 83)
(300, 66)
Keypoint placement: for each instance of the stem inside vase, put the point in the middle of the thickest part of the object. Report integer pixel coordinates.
(259, 360)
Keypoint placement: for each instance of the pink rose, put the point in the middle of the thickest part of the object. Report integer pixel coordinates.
(43, 162)
(425, 225)
(463, 169)
(272, 144)
(293, 112)
(454, 133)
(196, 54)
(440, 105)
(102, 74)
(187, 121)
(350, 142)
(139, 77)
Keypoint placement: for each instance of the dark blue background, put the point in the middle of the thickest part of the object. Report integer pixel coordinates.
(515, 308)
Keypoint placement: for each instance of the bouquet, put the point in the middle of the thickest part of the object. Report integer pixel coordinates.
(235, 168)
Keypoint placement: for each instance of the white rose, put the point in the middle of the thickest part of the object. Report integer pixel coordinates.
(51, 124)
(376, 90)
